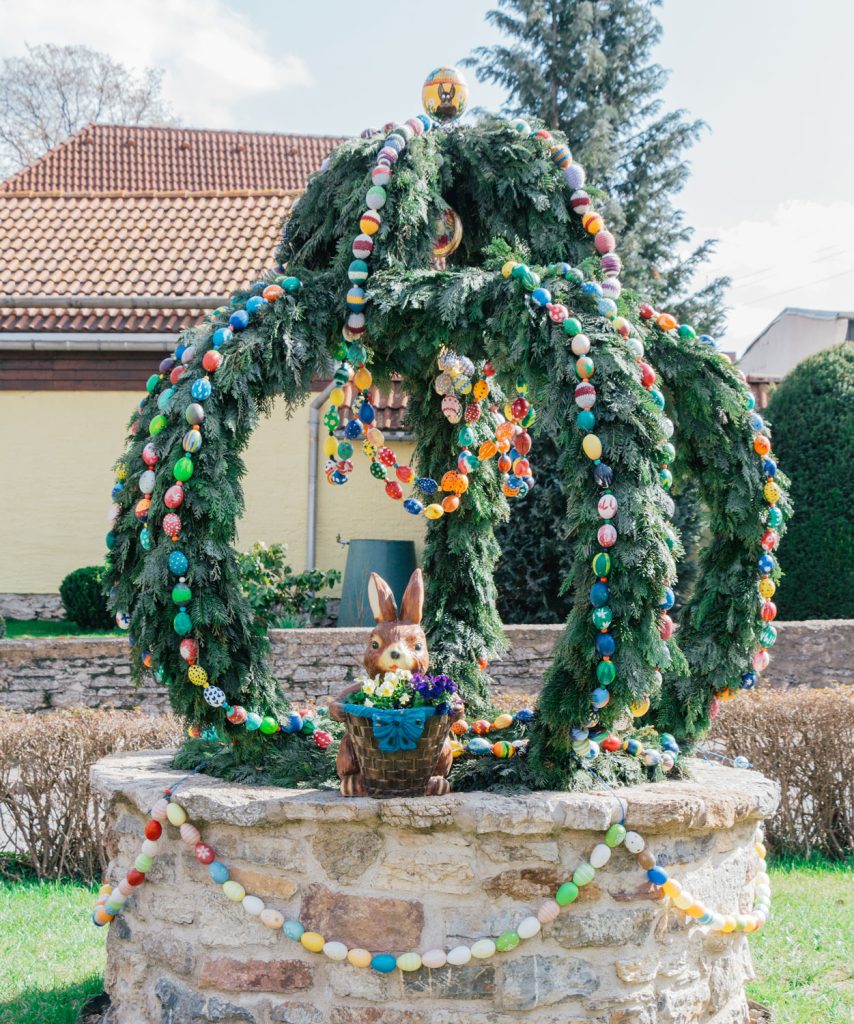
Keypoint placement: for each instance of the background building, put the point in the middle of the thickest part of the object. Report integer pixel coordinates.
(104, 244)
(792, 336)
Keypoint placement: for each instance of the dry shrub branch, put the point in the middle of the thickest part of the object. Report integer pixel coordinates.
(49, 815)
(805, 740)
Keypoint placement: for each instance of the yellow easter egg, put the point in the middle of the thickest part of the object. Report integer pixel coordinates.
(175, 813)
(359, 957)
(121, 471)
(767, 588)
(771, 491)
(480, 390)
(508, 268)
(330, 446)
(362, 378)
(502, 721)
(233, 891)
(336, 396)
(592, 446)
(639, 707)
(434, 511)
(312, 941)
(409, 962)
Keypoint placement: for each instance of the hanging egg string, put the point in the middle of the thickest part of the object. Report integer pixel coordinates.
(261, 295)
(167, 811)
(587, 738)
(771, 519)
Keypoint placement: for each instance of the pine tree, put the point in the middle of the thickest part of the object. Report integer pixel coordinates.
(585, 67)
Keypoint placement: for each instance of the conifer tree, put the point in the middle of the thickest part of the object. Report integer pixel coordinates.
(585, 67)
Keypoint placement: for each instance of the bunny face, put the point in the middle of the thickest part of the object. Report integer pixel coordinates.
(397, 641)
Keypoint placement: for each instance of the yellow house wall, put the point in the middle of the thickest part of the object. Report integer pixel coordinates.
(65, 443)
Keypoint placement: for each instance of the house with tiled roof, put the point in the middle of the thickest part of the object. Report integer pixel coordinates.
(110, 244)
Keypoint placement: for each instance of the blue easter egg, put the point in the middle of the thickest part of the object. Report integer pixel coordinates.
(769, 467)
(218, 872)
(256, 304)
(592, 288)
(366, 412)
(294, 722)
(253, 721)
(657, 875)
(479, 745)
(599, 595)
(258, 287)
(541, 296)
(239, 320)
(585, 420)
(221, 335)
(385, 963)
(605, 645)
(668, 599)
(163, 399)
(606, 307)
(600, 697)
(201, 390)
(748, 680)
(524, 715)
(766, 563)
(413, 506)
(293, 930)
(707, 339)
(117, 490)
(178, 563)
(180, 350)
(425, 120)
(353, 430)
(756, 422)
(426, 485)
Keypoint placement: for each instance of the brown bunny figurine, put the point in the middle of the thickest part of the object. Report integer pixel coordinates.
(397, 641)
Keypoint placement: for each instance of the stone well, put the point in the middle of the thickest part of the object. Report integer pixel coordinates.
(407, 874)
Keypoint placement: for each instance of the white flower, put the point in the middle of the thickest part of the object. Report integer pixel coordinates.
(368, 703)
(386, 689)
(404, 675)
(390, 677)
(368, 687)
(404, 698)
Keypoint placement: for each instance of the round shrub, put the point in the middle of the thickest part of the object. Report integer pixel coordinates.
(83, 598)
(812, 416)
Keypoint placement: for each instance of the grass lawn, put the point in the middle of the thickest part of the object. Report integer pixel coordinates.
(18, 628)
(51, 958)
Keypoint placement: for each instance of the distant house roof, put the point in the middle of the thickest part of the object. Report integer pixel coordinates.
(118, 158)
(789, 338)
(146, 211)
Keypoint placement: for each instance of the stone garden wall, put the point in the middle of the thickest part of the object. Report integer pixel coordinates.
(415, 874)
(313, 663)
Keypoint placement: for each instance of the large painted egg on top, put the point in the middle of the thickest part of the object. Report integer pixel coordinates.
(445, 94)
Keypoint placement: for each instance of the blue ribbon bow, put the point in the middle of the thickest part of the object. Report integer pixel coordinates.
(394, 729)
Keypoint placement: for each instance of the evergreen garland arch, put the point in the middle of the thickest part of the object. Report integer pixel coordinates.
(515, 206)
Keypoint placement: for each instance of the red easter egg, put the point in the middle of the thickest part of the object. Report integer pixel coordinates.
(522, 442)
(238, 715)
(768, 611)
(665, 627)
(189, 650)
(520, 408)
(150, 456)
(135, 877)
(171, 524)
(769, 540)
(177, 373)
(211, 360)
(386, 456)
(558, 313)
(153, 829)
(646, 311)
(174, 496)
(405, 474)
(273, 292)
(322, 739)
(394, 490)
(504, 463)
(204, 853)
(611, 743)
(647, 374)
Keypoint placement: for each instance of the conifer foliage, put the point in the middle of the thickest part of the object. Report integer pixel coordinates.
(585, 67)
(514, 205)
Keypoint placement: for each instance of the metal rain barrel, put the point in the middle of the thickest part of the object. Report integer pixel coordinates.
(394, 560)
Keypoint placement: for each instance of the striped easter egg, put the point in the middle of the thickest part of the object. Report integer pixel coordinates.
(363, 246)
(370, 222)
(356, 299)
(579, 201)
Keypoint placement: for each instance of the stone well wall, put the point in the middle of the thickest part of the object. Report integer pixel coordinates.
(412, 874)
(314, 663)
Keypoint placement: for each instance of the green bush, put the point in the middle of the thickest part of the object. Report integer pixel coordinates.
(2, 627)
(83, 599)
(812, 416)
(279, 596)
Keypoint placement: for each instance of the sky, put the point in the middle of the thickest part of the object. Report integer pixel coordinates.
(771, 79)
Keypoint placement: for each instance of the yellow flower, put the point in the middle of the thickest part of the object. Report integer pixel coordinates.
(386, 689)
(368, 687)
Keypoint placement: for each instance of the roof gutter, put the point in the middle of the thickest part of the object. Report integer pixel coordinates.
(112, 301)
(61, 341)
(313, 430)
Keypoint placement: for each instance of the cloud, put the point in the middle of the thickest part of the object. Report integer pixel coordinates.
(213, 57)
(801, 255)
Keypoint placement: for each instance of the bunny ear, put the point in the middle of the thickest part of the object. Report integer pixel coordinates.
(412, 606)
(381, 599)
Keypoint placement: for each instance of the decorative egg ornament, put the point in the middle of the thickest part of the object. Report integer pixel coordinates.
(447, 233)
(445, 94)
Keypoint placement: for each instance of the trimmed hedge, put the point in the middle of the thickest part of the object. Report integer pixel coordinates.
(812, 415)
(84, 600)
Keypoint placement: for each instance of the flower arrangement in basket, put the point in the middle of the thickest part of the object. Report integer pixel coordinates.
(397, 716)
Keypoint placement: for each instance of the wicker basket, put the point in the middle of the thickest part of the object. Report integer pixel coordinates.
(402, 772)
